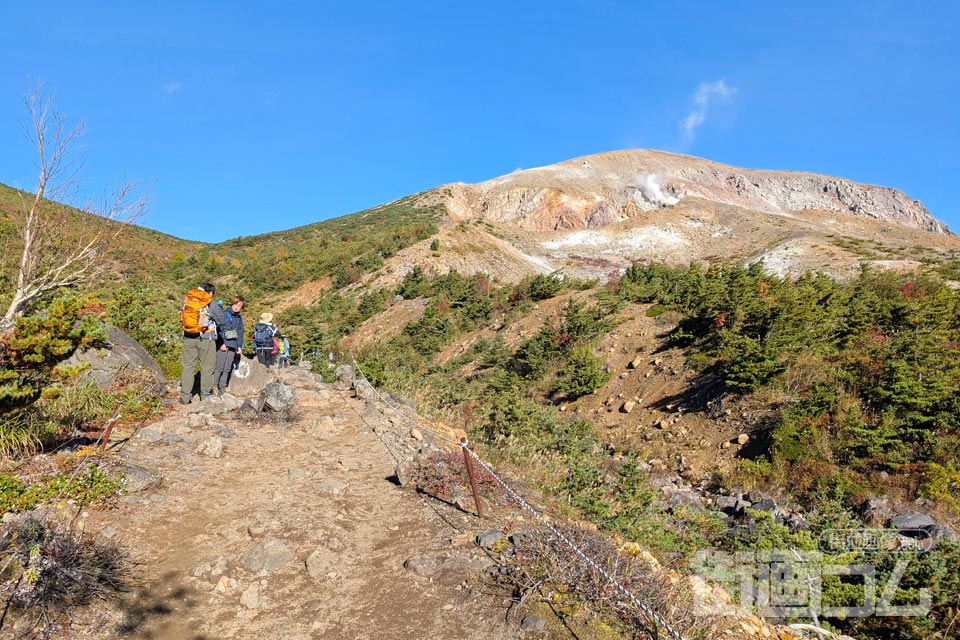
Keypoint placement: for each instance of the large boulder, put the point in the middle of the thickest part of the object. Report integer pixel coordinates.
(250, 377)
(121, 355)
(278, 397)
(910, 521)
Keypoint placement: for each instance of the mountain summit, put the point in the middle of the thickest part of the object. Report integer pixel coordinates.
(597, 190)
(592, 217)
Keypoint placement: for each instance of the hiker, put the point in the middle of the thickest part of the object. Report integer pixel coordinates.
(283, 355)
(199, 318)
(230, 343)
(264, 339)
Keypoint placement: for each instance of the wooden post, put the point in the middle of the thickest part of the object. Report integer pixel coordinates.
(473, 480)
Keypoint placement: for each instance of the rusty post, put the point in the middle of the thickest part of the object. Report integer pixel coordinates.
(473, 480)
(106, 435)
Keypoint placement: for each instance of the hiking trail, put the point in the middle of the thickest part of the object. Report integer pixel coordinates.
(295, 531)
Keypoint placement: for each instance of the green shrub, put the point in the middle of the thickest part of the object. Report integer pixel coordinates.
(543, 287)
(583, 374)
(414, 283)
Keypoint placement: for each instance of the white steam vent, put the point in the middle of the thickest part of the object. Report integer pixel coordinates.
(651, 187)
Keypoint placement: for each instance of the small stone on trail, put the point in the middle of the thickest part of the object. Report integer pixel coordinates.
(225, 584)
(488, 539)
(212, 447)
(251, 597)
(268, 555)
(320, 562)
(532, 623)
(150, 434)
(332, 486)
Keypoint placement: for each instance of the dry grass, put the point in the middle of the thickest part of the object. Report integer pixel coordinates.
(540, 565)
(50, 569)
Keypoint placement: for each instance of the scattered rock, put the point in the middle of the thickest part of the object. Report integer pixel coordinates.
(943, 532)
(767, 505)
(743, 439)
(320, 562)
(250, 409)
(211, 447)
(222, 430)
(225, 584)
(876, 510)
(268, 556)
(345, 373)
(250, 598)
(488, 539)
(444, 569)
(278, 397)
(332, 486)
(628, 406)
(150, 434)
(533, 623)
(137, 478)
(911, 520)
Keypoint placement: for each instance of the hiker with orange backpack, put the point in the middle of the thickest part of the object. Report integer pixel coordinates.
(199, 318)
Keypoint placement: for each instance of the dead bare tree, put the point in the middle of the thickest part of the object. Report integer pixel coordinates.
(61, 246)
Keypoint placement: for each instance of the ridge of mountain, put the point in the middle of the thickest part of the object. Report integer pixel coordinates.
(597, 190)
(593, 216)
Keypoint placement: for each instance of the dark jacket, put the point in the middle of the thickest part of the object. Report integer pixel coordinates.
(232, 321)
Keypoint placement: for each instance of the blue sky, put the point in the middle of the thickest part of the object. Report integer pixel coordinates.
(249, 117)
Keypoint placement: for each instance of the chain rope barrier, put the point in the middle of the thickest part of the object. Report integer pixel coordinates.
(652, 615)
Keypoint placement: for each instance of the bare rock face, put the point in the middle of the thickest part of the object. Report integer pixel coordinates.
(121, 355)
(595, 191)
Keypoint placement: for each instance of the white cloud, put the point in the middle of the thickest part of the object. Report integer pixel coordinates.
(171, 87)
(706, 92)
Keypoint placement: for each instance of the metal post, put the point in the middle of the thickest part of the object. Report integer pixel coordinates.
(473, 480)
(106, 435)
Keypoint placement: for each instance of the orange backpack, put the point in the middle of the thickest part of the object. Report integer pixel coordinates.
(193, 313)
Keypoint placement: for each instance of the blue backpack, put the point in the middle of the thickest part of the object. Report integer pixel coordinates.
(263, 336)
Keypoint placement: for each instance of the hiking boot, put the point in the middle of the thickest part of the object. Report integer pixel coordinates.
(219, 393)
(182, 401)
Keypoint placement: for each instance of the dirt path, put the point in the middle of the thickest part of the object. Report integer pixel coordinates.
(295, 532)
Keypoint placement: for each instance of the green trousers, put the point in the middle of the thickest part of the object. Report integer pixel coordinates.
(197, 351)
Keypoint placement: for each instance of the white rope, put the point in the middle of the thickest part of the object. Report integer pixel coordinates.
(653, 615)
(415, 422)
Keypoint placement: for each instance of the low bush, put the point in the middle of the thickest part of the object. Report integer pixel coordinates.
(50, 569)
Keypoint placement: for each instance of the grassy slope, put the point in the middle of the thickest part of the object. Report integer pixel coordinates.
(142, 251)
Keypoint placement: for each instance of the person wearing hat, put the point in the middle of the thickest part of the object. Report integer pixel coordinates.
(264, 339)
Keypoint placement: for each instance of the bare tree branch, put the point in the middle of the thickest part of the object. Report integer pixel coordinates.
(63, 245)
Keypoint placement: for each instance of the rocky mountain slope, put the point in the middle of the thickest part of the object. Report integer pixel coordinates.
(592, 217)
(598, 190)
